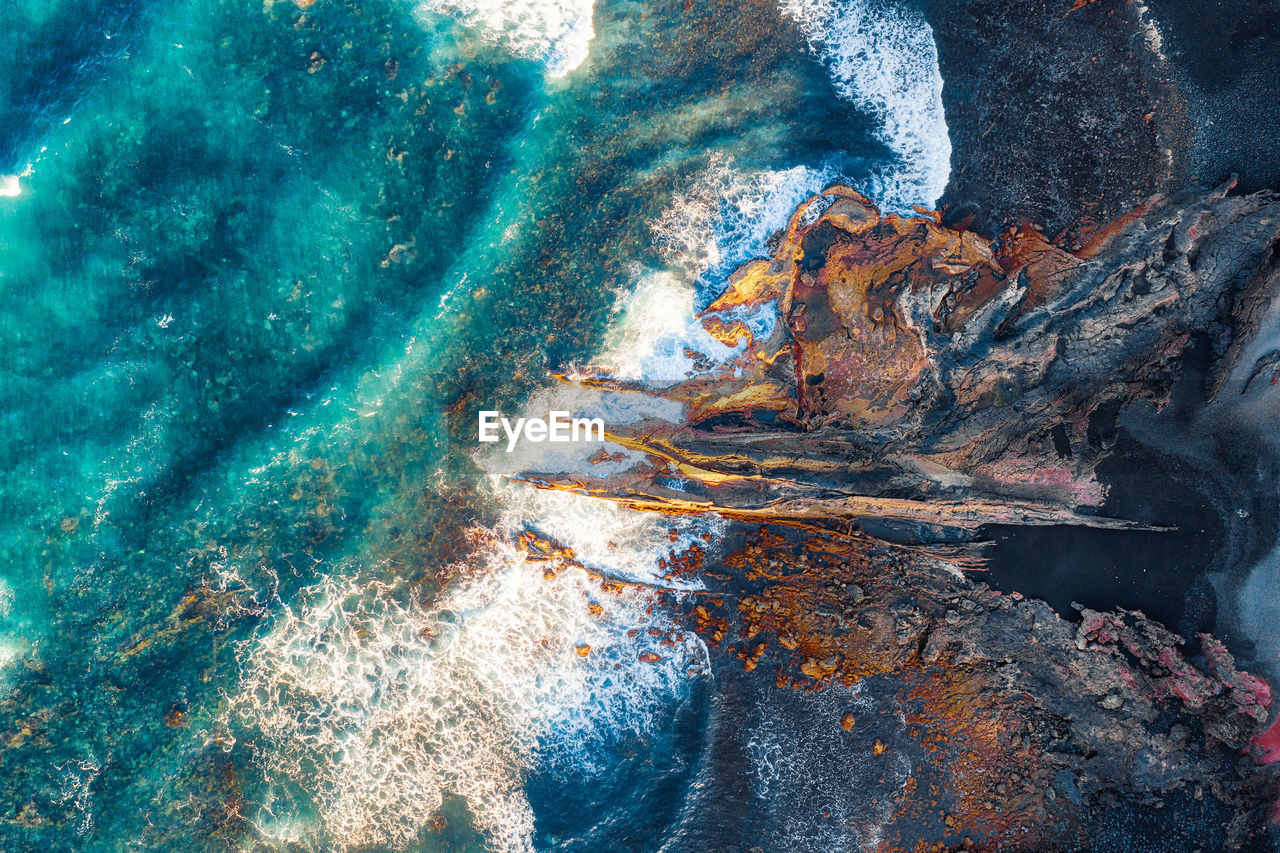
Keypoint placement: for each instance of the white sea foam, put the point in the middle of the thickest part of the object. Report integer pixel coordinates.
(556, 32)
(622, 542)
(11, 185)
(378, 705)
(75, 789)
(727, 215)
(625, 543)
(14, 646)
(655, 332)
(1151, 32)
(883, 59)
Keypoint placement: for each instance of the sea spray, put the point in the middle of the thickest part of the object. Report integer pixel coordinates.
(656, 331)
(883, 59)
(379, 704)
(727, 214)
(555, 32)
(724, 217)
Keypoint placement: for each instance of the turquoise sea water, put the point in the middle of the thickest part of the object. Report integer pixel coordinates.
(264, 265)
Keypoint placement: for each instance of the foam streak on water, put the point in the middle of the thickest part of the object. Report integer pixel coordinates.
(555, 32)
(379, 707)
(726, 215)
(883, 59)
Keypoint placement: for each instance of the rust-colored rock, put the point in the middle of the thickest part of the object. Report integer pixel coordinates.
(923, 374)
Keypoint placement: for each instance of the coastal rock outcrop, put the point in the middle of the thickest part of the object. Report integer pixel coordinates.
(921, 373)
(895, 385)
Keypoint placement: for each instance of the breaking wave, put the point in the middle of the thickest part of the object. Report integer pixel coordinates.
(657, 335)
(379, 705)
(727, 215)
(557, 33)
(883, 59)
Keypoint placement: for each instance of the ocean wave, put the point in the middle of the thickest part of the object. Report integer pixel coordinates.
(883, 59)
(727, 215)
(379, 705)
(557, 33)
(656, 335)
(622, 542)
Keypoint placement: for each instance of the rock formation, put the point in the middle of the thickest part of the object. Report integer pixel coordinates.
(917, 381)
(921, 373)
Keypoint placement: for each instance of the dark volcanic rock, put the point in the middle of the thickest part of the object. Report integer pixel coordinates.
(1055, 113)
(1024, 730)
(1077, 109)
(1225, 58)
(921, 382)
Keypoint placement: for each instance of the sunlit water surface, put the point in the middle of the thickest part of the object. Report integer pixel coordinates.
(261, 264)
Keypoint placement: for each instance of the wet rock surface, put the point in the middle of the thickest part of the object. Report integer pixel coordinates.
(922, 382)
(1022, 726)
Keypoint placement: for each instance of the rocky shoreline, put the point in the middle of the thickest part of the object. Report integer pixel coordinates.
(922, 382)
